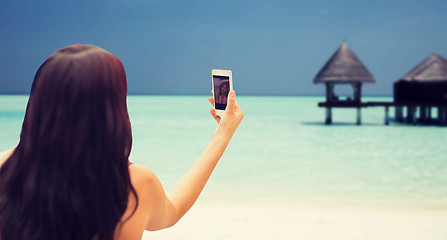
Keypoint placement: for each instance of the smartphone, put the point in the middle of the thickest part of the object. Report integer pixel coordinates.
(222, 84)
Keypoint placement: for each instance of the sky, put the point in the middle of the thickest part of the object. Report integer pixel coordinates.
(272, 47)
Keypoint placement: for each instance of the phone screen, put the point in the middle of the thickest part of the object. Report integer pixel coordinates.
(221, 90)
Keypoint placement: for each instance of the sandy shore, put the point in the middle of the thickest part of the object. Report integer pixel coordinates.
(266, 221)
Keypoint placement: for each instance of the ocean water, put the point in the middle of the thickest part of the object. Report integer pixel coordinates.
(282, 151)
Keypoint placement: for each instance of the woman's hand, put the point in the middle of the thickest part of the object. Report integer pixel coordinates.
(232, 116)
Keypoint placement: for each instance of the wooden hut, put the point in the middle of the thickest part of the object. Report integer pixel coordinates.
(424, 87)
(343, 68)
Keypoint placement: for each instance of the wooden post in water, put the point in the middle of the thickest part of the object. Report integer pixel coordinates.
(399, 114)
(429, 114)
(409, 115)
(387, 120)
(423, 114)
(413, 113)
(359, 118)
(357, 92)
(442, 115)
(329, 98)
(328, 115)
(329, 92)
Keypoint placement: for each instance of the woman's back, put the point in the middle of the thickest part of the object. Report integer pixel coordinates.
(142, 180)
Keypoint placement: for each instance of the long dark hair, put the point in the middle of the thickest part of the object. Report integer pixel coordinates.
(68, 178)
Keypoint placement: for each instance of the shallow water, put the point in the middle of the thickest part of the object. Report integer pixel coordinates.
(282, 151)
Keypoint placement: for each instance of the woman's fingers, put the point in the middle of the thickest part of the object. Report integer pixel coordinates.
(213, 113)
(231, 100)
(211, 100)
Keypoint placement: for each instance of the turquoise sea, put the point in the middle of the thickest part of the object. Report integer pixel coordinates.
(282, 151)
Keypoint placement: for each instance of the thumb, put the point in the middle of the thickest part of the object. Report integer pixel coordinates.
(231, 101)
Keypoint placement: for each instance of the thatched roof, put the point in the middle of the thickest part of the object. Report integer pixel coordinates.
(344, 67)
(432, 69)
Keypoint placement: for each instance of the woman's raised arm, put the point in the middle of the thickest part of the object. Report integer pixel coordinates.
(166, 211)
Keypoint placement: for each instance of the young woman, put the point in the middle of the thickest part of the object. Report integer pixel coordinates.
(222, 97)
(70, 176)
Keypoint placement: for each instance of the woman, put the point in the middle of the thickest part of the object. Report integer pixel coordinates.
(70, 176)
(222, 97)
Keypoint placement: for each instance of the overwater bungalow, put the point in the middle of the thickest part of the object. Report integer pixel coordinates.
(343, 68)
(424, 87)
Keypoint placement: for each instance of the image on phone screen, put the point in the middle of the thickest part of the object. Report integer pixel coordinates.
(221, 90)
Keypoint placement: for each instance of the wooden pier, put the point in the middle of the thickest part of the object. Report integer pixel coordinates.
(421, 90)
(425, 110)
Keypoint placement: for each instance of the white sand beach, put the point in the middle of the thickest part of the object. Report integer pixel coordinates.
(257, 222)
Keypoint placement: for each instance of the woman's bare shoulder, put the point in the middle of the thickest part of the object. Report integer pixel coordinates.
(141, 175)
(142, 179)
(5, 155)
(146, 184)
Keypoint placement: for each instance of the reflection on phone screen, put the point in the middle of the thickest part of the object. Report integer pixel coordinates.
(221, 90)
